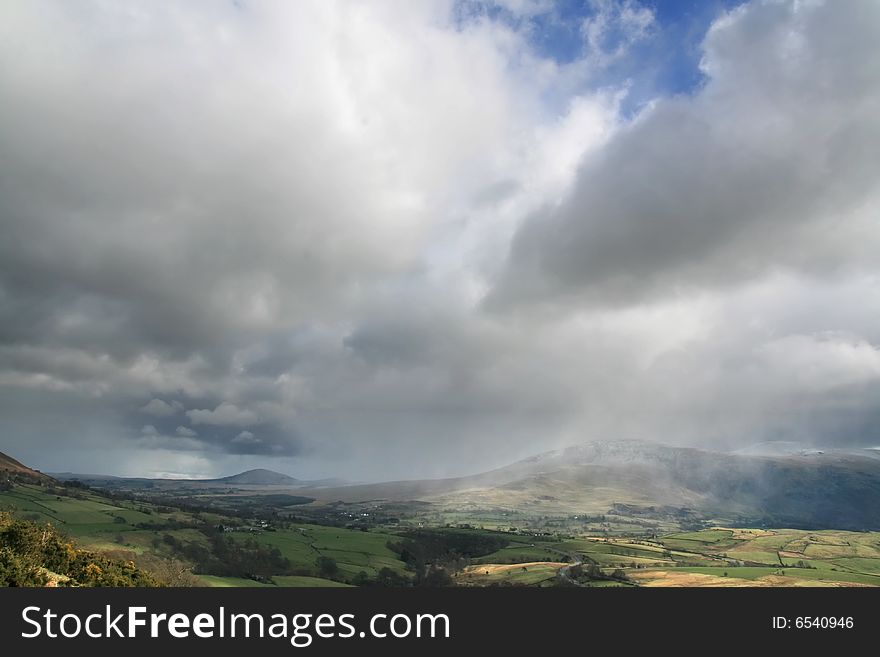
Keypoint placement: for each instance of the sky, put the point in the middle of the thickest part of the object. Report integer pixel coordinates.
(395, 240)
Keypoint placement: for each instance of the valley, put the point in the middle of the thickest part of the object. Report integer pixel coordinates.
(597, 515)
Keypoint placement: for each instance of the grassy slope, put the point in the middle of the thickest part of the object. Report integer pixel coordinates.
(354, 551)
(104, 524)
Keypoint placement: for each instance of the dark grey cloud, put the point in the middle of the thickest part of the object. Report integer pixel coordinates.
(185, 189)
(161, 408)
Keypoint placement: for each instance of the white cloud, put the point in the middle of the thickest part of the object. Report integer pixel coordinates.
(821, 363)
(186, 432)
(245, 437)
(226, 414)
(614, 28)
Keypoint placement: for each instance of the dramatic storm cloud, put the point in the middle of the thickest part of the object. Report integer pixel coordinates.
(772, 165)
(395, 239)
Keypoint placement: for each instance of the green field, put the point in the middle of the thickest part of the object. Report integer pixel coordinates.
(807, 556)
(99, 523)
(299, 580)
(519, 553)
(280, 580)
(231, 582)
(708, 536)
(87, 517)
(796, 573)
(354, 551)
(731, 555)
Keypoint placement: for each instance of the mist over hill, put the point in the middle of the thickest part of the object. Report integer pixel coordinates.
(808, 488)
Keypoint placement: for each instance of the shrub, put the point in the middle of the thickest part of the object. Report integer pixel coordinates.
(30, 553)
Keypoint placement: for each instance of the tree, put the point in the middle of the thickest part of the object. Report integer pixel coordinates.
(388, 577)
(327, 567)
(361, 579)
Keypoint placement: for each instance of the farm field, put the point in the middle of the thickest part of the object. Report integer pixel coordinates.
(770, 557)
(523, 574)
(91, 518)
(281, 580)
(230, 582)
(353, 551)
(518, 553)
(721, 557)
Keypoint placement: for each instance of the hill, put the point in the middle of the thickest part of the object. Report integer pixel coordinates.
(258, 477)
(806, 489)
(9, 465)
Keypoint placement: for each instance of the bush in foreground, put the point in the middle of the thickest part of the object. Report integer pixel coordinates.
(37, 555)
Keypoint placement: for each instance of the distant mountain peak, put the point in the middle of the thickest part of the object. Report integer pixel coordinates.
(259, 477)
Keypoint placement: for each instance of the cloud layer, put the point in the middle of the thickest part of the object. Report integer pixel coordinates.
(404, 239)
